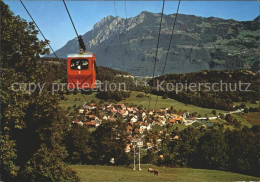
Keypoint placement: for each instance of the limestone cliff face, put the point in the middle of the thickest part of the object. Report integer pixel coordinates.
(198, 43)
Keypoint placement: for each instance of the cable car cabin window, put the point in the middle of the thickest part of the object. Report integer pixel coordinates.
(79, 64)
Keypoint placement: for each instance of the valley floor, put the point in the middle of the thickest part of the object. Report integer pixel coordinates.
(120, 173)
(245, 119)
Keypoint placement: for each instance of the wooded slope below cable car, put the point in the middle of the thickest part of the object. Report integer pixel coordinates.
(199, 43)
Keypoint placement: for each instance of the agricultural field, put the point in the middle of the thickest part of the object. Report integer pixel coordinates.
(243, 120)
(78, 100)
(162, 103)
(120, 173)
(253, 118)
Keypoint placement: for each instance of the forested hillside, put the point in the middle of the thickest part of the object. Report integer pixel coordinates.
(225, 91)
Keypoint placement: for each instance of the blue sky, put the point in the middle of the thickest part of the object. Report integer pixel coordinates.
(54, 22)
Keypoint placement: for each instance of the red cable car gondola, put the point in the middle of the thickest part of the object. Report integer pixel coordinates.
(81, 69)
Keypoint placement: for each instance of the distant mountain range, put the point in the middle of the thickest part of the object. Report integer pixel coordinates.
(198, 43)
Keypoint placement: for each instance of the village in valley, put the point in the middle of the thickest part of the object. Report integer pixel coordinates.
(140, 122)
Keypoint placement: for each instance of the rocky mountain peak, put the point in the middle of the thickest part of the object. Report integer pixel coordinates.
(106, 20)
(198, 43)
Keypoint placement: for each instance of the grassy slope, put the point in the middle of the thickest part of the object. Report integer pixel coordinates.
(113, 173)
(243, 120)
(167, 103)
(248, 119)
(252, 117)
(248, 104)
(80, 100)
(141, 101)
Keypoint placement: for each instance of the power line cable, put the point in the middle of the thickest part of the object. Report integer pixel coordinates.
(47, 42)
(157, 47)
(127, 35)
(173, 27)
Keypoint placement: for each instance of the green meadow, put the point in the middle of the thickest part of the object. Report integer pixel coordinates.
(121, 173)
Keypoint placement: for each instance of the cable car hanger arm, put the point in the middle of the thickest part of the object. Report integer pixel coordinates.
(82, 46)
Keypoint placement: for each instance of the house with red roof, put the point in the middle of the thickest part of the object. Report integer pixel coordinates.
(91, 123)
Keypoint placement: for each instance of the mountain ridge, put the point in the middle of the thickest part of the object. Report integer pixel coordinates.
(198, 43)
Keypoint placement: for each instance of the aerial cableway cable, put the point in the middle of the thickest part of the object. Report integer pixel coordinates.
(173, 27)
(157, 47)
(37, 27)
(70, 18)
(118, 33)
(81, 43)
(127, 35)
(45, 39)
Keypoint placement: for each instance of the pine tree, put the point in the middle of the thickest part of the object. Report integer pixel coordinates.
(32, 124)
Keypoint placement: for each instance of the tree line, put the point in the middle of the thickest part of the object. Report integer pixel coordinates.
(213, 148)
(99, 147)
